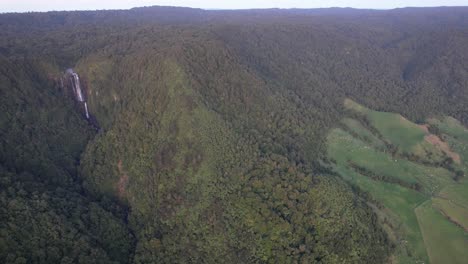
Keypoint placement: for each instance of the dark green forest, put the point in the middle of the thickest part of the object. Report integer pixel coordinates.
(207, 141)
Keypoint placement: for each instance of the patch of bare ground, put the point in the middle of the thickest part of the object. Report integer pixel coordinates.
(436, 141)
(123, 180)
(439, 143)
(424, 127)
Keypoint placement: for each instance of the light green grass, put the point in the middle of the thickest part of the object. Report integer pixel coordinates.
(401, 132)
(344, 147)
(401, 202)
(398, 130)
(363, 132)
(451, 126)
(445, 242)
(461, 148)
(457, 193)
(456, 135)
(407, 136)
(455, 212)
(413, 219)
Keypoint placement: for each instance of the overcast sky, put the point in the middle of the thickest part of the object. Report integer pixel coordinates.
(47, 5)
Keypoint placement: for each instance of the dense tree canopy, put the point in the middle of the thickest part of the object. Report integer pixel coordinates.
(212, 127)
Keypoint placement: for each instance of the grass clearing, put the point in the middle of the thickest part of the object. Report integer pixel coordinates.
(454, 212)
(458, 193)
(398, 130)
(445, 242)
(399, 200)
(427, 224)
(343, 148)
(402, 220)
(451, 126)
(393, 127)
(364, 134)
(456, 137)
(407, 136)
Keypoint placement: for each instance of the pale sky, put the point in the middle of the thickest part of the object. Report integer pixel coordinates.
(48, 5)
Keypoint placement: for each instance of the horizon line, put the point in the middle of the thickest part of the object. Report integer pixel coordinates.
(228, 9)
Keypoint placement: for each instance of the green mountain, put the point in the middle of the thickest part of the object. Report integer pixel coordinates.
(218, 136)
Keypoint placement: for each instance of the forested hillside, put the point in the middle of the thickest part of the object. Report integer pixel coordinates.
(209, 137)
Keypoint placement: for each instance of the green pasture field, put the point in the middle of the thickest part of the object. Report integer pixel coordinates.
(427, 224)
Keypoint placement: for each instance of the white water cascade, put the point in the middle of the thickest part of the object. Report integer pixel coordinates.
(78, 93)
(86, 110)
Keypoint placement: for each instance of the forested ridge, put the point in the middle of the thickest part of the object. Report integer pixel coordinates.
(212, 129)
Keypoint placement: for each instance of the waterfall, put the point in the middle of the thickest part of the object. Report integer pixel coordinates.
(86, 110)
(76, 86)
(79, 94)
